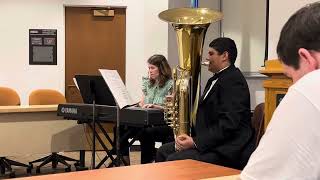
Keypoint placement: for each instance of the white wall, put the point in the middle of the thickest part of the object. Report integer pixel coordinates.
(257, 93)
(154, 30)
(18, 16)
(278, 17)
(244, 21)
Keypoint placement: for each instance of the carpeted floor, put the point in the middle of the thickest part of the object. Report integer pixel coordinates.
(22, 172)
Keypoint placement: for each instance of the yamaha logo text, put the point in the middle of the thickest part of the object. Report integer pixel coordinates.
(69, 110)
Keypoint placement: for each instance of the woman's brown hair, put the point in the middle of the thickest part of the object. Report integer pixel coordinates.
(164, 69)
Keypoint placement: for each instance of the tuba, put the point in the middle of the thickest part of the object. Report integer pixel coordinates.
(190, 25)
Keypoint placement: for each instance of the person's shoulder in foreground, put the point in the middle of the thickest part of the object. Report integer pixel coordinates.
(289, 148)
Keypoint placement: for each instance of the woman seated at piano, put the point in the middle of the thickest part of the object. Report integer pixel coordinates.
(158, 84)
(155, 87)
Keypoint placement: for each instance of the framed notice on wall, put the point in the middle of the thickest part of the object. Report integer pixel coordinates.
(42, 46)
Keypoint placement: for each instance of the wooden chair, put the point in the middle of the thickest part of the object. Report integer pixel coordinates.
(9, 97)
(47, 97)
(258, 122)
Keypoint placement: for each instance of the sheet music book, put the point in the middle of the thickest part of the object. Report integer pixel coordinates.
(117, 87)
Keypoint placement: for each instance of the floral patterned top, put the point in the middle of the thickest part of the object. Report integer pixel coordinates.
(155, 94)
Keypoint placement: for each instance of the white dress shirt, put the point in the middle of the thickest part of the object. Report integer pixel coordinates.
(291, 145)
(213, 82)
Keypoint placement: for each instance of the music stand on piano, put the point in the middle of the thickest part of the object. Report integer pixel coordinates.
(94, 90)
(89, 84)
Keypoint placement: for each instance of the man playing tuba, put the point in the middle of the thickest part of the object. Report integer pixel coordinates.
(223, 131)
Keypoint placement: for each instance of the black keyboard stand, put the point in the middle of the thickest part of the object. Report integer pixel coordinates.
(133, 133)
(106, 149)
(91, 87)
(119, 157)
(93, 156)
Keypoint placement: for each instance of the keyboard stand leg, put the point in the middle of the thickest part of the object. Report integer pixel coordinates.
(103, 145)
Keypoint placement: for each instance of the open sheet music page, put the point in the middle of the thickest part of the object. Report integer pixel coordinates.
(117, 87)
(75, 83)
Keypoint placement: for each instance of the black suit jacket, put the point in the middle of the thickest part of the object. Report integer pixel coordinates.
(223, 123)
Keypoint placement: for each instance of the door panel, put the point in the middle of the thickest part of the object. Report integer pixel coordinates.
(92, 43)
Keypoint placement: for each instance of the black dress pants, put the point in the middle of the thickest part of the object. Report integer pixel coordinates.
(149, 137)
(167, 152)
(130, 132)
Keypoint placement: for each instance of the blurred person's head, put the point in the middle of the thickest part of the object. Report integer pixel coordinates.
(299, 43)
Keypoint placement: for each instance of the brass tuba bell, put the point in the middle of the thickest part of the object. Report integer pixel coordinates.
(190, 25)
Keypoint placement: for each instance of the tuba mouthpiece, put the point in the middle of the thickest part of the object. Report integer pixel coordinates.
(205, 63)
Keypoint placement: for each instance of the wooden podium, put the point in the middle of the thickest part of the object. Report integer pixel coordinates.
(275, 87)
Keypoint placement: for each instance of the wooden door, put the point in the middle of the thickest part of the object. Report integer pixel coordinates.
(92, 43)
